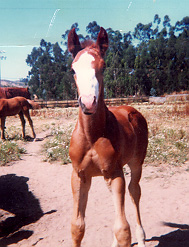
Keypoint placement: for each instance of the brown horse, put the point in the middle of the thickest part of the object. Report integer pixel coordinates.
(14, 106)
(11, 92)
(104, 140)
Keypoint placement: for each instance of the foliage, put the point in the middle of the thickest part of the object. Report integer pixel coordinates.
(153, 56)
(9, 151)
(50, 76)
(57, 147)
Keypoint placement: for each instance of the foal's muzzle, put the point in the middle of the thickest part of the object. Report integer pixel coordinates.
(88, 104)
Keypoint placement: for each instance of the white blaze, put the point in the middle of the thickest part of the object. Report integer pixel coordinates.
(87, 82)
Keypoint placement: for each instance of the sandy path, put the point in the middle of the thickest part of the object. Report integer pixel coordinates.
(36, 204)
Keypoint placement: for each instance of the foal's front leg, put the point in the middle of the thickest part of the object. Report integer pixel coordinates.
(80, 189)
(122, 234)
(135, 192)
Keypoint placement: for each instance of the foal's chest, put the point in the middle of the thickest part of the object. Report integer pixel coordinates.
(101, 155)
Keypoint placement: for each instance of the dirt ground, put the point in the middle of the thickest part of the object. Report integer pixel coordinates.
(36, 204)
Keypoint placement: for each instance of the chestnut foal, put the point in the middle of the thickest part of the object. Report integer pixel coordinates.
(104, 140)
(13, 106)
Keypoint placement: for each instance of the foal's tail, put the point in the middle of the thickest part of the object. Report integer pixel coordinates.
(33, 105)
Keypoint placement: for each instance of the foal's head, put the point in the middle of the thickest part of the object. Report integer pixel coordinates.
(88, 65)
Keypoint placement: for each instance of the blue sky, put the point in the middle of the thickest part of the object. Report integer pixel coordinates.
(24, 23)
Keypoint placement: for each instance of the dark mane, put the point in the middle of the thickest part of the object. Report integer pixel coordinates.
(88, 43)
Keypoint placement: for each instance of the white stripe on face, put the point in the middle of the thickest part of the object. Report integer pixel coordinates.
(87, 82)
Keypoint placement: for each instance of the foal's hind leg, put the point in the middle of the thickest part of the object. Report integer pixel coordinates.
(23, 123)
(122, 234)
(135, 192)
(3, 128)
(80, 189)
(27, 114)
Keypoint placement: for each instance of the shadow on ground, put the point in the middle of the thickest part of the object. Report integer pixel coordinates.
(177, 238)
(18, 207)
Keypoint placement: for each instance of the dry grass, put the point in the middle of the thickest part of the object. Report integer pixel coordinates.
(168, 132)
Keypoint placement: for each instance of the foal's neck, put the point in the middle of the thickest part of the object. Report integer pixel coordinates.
(93, 125)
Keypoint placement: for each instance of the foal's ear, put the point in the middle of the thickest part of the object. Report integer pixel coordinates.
(74, 45)
(102, 41)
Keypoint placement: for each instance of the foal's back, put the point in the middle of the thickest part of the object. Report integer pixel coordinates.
(10, 107)
(11, 92)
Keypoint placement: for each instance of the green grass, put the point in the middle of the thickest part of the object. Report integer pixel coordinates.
(13, 133)
(57, 146)
(9, 151)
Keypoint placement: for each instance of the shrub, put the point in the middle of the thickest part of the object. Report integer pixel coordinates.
(9, 151)
(57, 147)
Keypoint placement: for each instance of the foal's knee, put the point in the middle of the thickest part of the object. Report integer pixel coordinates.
(123, 235)
(77, 230)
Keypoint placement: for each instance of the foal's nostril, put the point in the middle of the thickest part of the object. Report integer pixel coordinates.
(88, 103)
(94, 101)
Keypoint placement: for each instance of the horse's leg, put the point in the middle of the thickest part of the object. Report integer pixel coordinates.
(23, 123)
(135, 192)
(27, 114)
(3, 127)
(122, 234)
(80, 189)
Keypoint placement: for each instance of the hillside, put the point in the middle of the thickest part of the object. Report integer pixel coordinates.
(7, 83)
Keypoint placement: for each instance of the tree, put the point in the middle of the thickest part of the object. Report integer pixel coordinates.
(50, 72)
(143, 32)
(93, 29)
(151, 60)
